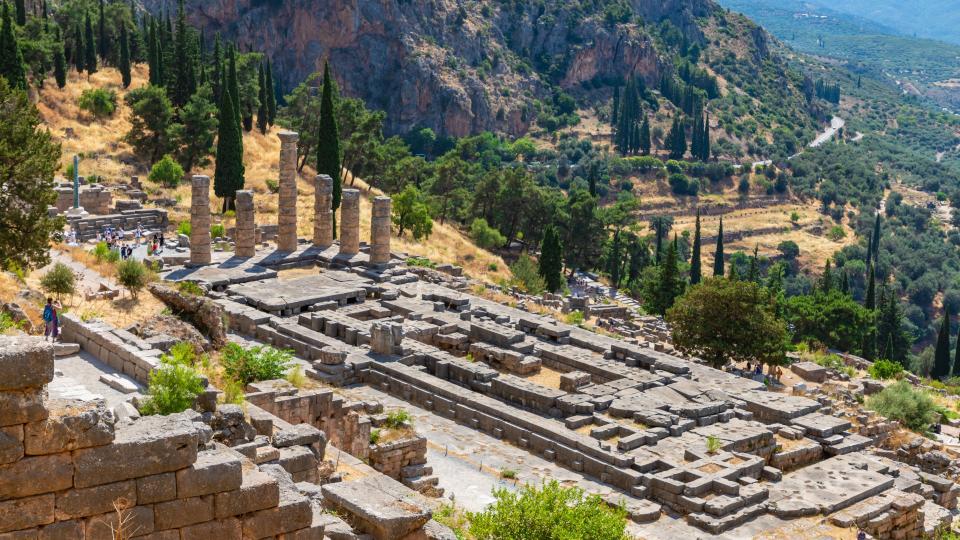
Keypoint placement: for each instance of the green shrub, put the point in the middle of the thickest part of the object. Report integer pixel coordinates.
(374, 436)
(574, 317)
(184, 228)
(548, 512)
(713, 444)
(836, 233)
(885, 369)
(99, 102)
(101, 251)
(7, 323)
(259, 363)
(297, 377)
(59, 280)
(915, 409)
(217, 230)
(398, 419)
(233, 392)
(172, 388)
(486, 236)
(421, 261)
(166, 172)
(133, 275)
(273, 186)
(191, 288)
(527, 276)
(181, 354)
(509, 474)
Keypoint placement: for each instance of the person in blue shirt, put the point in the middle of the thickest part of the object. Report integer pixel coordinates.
(51, 321)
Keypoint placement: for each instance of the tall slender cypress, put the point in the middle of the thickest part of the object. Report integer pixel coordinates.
(263, 112)
(718, 254)
(941, 355)
(328, 141)
(21, 13)
(59, 61)
(184, 81)
(229, 169)
(78, 48)
(956, 359)
(644, 142)
(11, 59)
(696, 273)
(875, 244)
(233, 85)
(615, 108)
(551, 259)
(870, 302)
(103, 45)
(90, 51)
(271, 94)
(124, 56)
(705, 139)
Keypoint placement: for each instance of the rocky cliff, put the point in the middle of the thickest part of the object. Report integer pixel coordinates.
(456, 67)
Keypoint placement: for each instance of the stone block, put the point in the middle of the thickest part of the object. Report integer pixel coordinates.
(151, 445)
(136, 521)
(183, 512)
(11, 444)
(157, 488)
(213, 472)
(223, 529)
(22, 406)
(62, 530)
(79, 503)
(36, 475)
(26, 512)
(257, 492)
(385, 509)
(25, 362)
(72, 424)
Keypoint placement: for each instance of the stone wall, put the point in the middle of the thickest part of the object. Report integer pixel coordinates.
(152, 219)
(68, 471)
(93, 198)
(405, 460)
(893, 514)
(117, 348)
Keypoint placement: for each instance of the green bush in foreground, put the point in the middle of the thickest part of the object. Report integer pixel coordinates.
(133, 275)
(172, 388)
(885, 369)
(99, 102)
(59, 280)
(915, 409)
(548, 512)
(260, 363)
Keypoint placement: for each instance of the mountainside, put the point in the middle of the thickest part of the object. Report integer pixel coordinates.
(462, 68)
(935, 19)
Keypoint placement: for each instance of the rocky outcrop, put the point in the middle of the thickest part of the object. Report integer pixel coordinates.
(458, 68)
(204, 313)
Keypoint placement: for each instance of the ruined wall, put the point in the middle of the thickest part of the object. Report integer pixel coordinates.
(117, 348)
(150, 218)
(93, 198)
(68, 471)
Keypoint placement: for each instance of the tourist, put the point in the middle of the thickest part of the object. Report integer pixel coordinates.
(51, 320)
(139, 233)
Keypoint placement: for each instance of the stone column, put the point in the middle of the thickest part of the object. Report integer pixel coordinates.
(200, 220)
(323, 211)
(246, 234)
(350, 222)
(287, 221)
(380, 231)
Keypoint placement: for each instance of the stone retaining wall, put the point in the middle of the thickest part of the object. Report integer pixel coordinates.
(67, 471)
(153, 219)
(93, 198)
(117, 348)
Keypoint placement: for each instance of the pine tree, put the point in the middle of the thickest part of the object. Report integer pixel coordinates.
(102, 36)
(718, 254)
(328, 140)
(21, 13)
(551, 259)
(644, 142)
(271, 94)
(696, 273)
(59, 61)
(263, 113)
(124, 56)
(11, 59)
(78, 49)
(184, 80)
(941, 355)
(229, 169)
(90, 52)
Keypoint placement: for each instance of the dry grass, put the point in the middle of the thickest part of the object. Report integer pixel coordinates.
(105, 153)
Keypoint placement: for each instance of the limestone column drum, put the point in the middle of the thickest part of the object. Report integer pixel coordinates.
(380, 231)
(323, 211)
(200, 220)
(287, 221)
(350, 222)
(246, 235)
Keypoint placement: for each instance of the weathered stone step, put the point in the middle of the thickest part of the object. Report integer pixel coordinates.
(412, 471)
(65, 349)
(118, 383)
(420, 483)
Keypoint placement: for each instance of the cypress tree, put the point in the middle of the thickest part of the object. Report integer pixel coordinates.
(677, 138)
(233, 85)
(615, 107)
(941, 355)
(826, 283)
(263, 114)
(845, 283)
(184, 81)
(695, 136)
(124, 56)
(229, 170)
(956, 359)
(705, 140)
(875, 243)
(59, 62)
(753, 272)
(669, 285)
(153, 55)
(644, 142)
(718, 254)
(21, 13)
(216, 78)
(11, 59)
(870, 302)
(696, 273)
(78, 48)
(328, 141)
(102, 35)
(551, 259)
(271, 94)
(90, 52)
